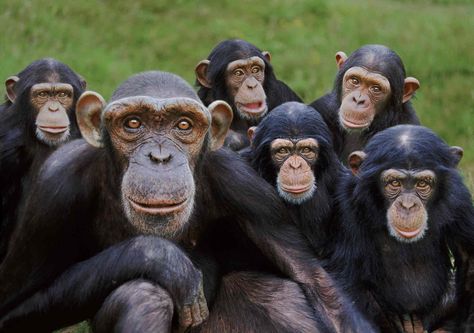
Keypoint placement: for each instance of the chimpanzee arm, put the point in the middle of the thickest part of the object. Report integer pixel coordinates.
(241, 193)
(48, 237)
(79, 292)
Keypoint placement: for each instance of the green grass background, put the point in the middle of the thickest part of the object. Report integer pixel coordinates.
(106, 41)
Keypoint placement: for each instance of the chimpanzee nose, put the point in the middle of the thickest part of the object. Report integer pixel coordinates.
(53, 107)
(251, 82)
(407, 203)
(159, 156)
(295, 162)
(359, 100)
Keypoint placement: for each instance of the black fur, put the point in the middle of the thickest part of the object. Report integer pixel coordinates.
(81, 257)
(405, 278)
(292, 120)
(379, 59)
(21, 153)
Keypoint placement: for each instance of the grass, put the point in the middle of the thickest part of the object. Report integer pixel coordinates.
(108, 40)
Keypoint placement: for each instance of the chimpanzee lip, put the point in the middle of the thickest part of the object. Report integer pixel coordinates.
(163, 207)
(408, 233)
(53, 129)
(353, 124)
(295, 189)
(262, 106)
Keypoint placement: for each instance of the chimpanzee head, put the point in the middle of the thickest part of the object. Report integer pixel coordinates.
(291, 148)
(406, 170)
(236, 71)
(370, 83)
(156, 130)
(45, 92)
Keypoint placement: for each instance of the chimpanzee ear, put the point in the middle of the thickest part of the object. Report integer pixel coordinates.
(411, 85)
(10, 87)
(201, 73)
(251, 133)
(457, 152)
(355, 159)
(88, 110)
(222, 115)
(267, 56)
(341, 58)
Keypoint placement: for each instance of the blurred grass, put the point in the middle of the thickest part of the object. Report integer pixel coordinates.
(108, 40)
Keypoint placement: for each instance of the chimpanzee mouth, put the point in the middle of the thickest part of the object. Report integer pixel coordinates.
(53, 129)
(408, 233)
(354, 124)
(296, 189)
(255, 109)
(158, 208)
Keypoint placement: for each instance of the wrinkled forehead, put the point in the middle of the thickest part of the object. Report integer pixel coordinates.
(159, 106)
(51, 86)
(252, 61)
(368, 74)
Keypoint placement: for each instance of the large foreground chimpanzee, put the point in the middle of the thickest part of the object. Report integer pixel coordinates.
(153, 168)
(292, 149)
(36, 118)
(404, 213)
(241, 74)
(370, 93)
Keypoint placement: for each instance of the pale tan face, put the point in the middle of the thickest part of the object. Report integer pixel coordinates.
(407, 192)
(244, 81)
(52, 102)
(364, 94)
(295, 160)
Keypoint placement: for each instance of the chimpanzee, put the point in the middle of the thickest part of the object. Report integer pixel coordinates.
(370, 94)
(405, 214)
(292, 149)
(36, 118)
(241, 74)
(120, 226)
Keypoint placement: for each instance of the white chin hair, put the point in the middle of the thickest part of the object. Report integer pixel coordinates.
(351, 130)
(52, 139)
(250, 116)
(296, 199)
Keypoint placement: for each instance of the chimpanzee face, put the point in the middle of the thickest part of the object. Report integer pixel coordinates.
(364, 94)
(244, 81)
(407, 193)
(157, 142)
(295, 160)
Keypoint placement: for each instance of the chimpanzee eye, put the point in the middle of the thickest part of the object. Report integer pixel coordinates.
(395, 183)
(376, 89)
(184, 125)
(306, 150)
(62, 94)
(354, 80)
(43, 94)
(255, 69)
(282, 150)
(239, 72)
(133, 123)
(422, 184)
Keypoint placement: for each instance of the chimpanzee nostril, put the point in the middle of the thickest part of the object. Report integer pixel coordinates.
(159, 157)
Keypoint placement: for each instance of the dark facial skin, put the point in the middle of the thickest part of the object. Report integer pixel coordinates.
(407, 192)
(52, 101)
(365, 93)
(295, 160)
(244, 80)
(153, 137)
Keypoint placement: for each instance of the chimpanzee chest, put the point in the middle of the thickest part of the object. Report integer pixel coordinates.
(413, 281)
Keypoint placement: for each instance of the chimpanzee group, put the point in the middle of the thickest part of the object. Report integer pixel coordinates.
(233, 207)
